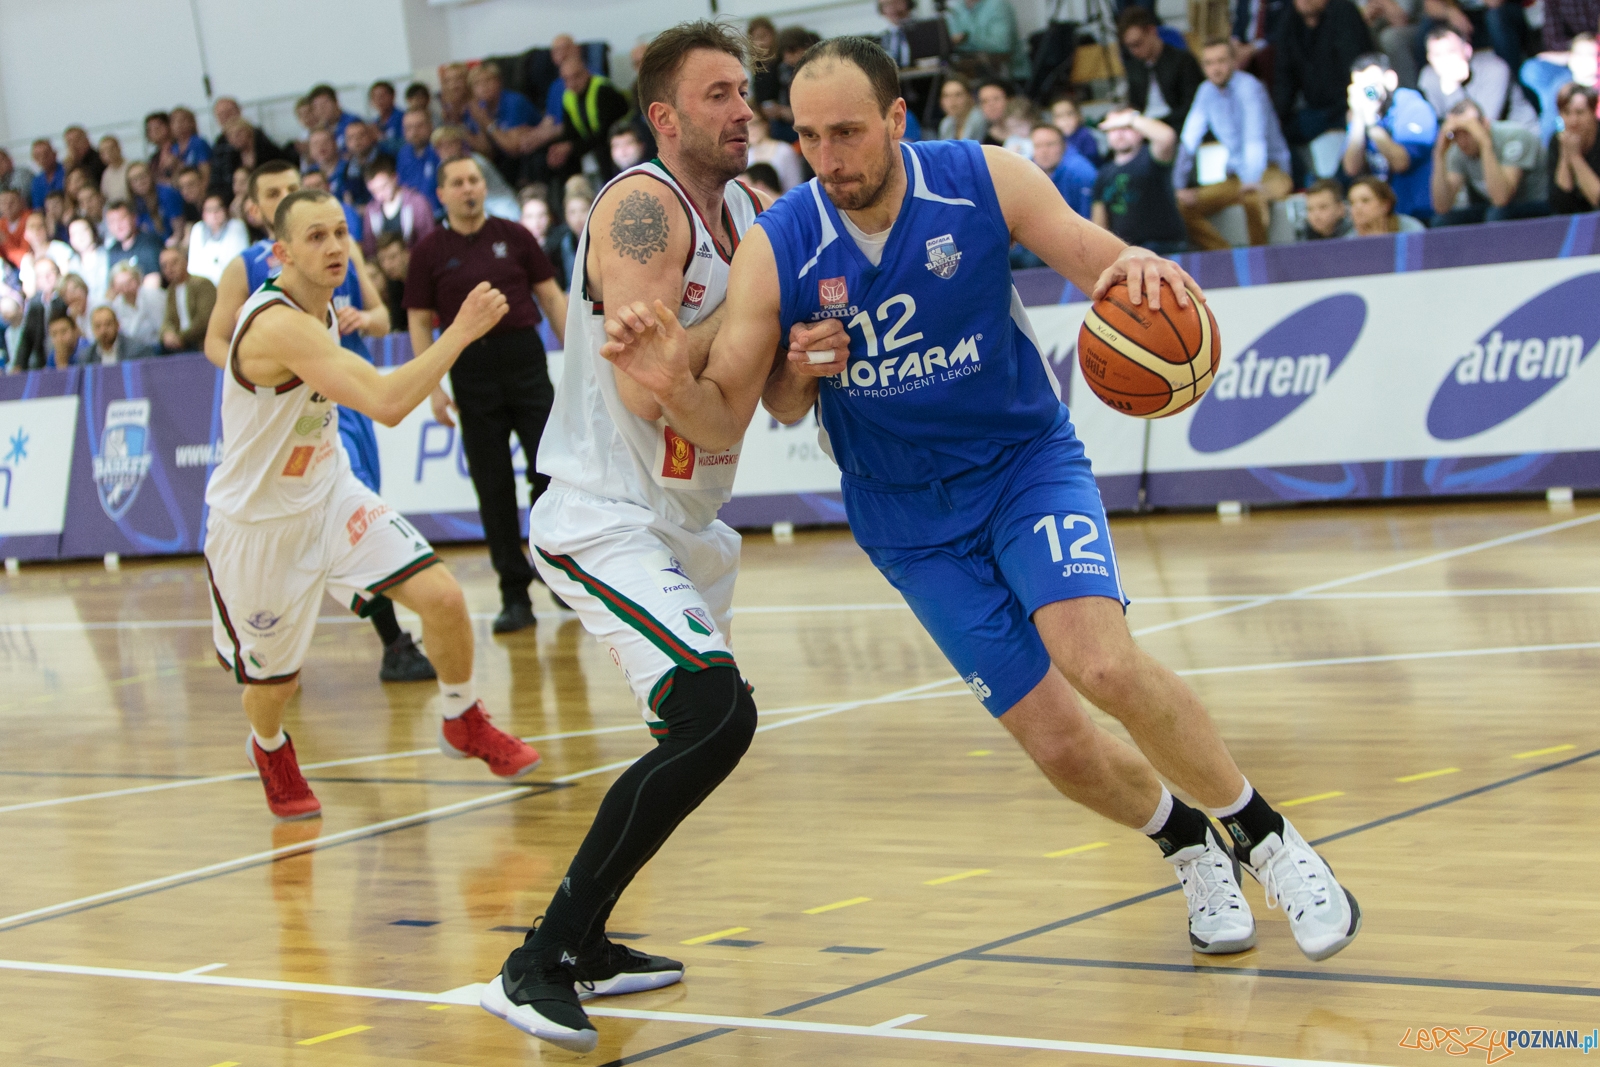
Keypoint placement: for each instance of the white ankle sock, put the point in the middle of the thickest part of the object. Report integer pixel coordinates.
(458, 698)
(1163, 813)
(270, 744)
(1238, 805)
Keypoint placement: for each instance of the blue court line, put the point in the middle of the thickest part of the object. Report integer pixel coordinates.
(984, 950)
(311, 846)
(1307, 976)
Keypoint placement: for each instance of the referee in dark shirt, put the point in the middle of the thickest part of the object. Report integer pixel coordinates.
(501, 382)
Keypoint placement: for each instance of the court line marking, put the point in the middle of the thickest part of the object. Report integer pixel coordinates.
(1378, 572)
(346, 1032)
(1075, 849)
(1152, 894)
(807, 609)
(893, 1029)
(719, 935)
(836, 905)
(1312, 799)
(1422, 775)
(238, 776)
(226, 866)
(947, 879)
(207, 969)
(1544, 751)
(1311, 976)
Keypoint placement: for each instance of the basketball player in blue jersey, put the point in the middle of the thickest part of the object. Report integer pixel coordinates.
(962, 476)
(403, 661)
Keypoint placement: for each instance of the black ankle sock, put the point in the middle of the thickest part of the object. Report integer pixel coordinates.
(383, 620)
(1253, 824)
(572, 911)
(1184, 827)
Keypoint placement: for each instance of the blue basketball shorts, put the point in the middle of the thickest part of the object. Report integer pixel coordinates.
(1045, 539)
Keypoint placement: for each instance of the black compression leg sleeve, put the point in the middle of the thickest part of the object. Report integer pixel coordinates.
(710, 719)
(383, 620)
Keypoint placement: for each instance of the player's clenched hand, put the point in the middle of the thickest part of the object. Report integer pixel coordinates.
(481, 310)
(810, 342)
(1144, 271)
(649, 345)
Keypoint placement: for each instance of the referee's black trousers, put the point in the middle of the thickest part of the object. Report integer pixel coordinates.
(502, 386)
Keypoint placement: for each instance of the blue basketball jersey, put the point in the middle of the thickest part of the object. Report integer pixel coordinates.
(945, 375)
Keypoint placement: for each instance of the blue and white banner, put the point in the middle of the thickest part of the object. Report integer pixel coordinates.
(35, 464)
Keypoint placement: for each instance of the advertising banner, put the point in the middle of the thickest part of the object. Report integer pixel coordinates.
(38, 412)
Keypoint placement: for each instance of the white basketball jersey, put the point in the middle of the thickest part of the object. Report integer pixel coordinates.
(283, 454)
(592, 441)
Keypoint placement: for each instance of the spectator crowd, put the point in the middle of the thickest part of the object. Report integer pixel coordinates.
(1390, 116)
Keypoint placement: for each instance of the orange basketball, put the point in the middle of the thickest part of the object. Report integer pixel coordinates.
(1148, 363)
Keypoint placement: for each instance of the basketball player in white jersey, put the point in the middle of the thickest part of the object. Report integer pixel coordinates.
(289, 520)
(961, 468)
(627, 533)
(269, 184)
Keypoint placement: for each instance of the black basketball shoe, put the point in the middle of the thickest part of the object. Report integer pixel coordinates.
(610, 970)
(537, 994)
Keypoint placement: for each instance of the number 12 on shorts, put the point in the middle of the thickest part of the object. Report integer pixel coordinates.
(1075, 550)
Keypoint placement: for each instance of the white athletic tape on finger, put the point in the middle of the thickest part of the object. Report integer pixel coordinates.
(821, 355)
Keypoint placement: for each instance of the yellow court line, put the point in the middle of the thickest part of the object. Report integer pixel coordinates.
(438, 1007)
(1075, 849)
(836, 905)
(226, 1063)
(346, 1032)
(703, 938)
(981, 752)
(1312, 799)
(957, 877)
(1552, 750)
(1429, 774)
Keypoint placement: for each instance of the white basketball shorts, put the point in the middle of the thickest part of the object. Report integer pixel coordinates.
(656, 595)
(267, 578)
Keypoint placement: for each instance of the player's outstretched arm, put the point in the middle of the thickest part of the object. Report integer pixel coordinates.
(1091, 258)
(232, 292)
(297, 343)
(711, 409)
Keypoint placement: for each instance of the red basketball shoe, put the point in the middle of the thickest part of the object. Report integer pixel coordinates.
(471, 734)
(288, 795)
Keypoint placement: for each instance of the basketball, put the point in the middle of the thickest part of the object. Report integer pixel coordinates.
(1146, 363)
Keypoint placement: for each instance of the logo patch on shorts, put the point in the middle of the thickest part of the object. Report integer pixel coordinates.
(833, 293)
(262, 621)
(299, 461)
(359, 523)
(694, 294)
(979, 689)
(698, 621)
(680, 457)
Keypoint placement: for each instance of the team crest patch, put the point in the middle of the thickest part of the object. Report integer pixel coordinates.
(125, 455)
(299, 462)
(833, 293)
(943, 256)
(698, 621)
(680, 457)
(694, 294)
(499, 250)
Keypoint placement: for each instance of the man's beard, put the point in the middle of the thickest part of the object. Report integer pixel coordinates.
(871, 188)
(705, 152)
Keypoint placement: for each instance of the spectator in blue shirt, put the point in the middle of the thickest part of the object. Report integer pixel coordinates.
(49, 175)
(188, 147)
(1068, 169)
(415, 161)
(386, 118)
(157, 206)
(1236, 109)
(499, 122)
(322, 153)
(361, 152)
(1068, 119)
(326, 112)
(1390, 134)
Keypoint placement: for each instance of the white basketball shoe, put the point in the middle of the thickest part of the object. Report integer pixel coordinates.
(1323, 915)
(1219, 919)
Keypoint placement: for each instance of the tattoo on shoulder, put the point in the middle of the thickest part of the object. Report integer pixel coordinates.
(639, 227)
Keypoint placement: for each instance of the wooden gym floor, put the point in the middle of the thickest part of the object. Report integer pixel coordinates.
(885, 880)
